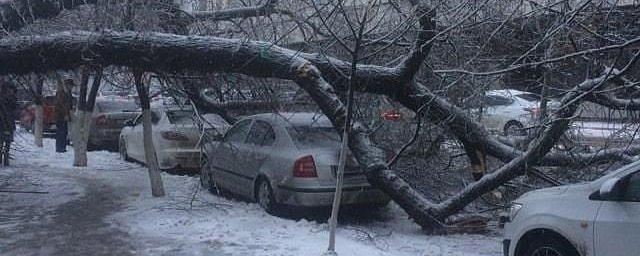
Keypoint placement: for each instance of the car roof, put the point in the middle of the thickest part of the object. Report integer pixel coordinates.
(296, 118)
(506, 92)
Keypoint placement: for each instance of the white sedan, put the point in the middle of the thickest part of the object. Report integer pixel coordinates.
(506, 111)
(600, 218)
(176, 137)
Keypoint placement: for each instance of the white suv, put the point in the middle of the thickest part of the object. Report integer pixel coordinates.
(599, 218)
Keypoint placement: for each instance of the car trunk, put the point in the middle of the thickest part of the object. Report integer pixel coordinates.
(327, 160)
(114, 120)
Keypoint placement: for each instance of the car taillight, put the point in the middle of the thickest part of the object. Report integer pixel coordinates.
(175, 136)
(391, 115)
(305, 167)
(535, 112)
(101, 120)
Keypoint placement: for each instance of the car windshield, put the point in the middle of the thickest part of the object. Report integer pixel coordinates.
(530, 97)
(180, 116)
(632, 167)
(306, 137)
(117, 106)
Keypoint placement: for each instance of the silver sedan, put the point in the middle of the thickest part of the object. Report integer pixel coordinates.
(284, 159)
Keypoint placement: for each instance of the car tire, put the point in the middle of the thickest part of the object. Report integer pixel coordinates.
(549, 246)
(123, 151)
(265, 197)
(205, 176)
(513, 128)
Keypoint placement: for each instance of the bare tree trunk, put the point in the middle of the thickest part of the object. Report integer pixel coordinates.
(79, 124)
(38, 122)
(157, 188)
(82, 122)
(80, 137)
(38, 125)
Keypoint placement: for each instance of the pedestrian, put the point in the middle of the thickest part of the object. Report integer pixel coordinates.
(8, 106)
(63, 114)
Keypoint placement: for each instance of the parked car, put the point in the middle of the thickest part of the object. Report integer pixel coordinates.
(28, 115)
(507, 111)
(176, 137)
(285, 159)
(108, 119)
(599, 218)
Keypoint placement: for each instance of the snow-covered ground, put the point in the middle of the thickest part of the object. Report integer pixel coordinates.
(188, 221)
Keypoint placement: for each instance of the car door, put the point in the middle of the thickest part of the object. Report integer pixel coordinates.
(497, 112)
(226, 157)
(137, 138)
(260, 142)
(135, 146)
(617, 225)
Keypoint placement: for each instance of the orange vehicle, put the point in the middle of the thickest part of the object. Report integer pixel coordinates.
(28, 115)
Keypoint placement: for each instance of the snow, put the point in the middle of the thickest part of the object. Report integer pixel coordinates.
(193, 221)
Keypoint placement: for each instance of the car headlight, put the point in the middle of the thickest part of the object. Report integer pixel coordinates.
(513, 210)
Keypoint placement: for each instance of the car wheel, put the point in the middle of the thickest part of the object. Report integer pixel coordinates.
(205, 176)
(514, 128)
(264, 196)
(549, 246)
(123, 151)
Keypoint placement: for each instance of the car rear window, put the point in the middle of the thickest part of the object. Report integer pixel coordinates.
(117, 106)
(495, 100)
(314, 137)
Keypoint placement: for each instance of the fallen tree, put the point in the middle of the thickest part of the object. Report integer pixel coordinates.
(160, 53)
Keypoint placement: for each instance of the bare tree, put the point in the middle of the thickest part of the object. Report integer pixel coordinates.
(157, 188)
(84, 110)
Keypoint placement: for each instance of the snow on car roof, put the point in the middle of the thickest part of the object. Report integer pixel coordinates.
(506, 92)
(299, 118)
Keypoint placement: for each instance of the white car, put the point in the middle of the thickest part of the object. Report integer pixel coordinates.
(599, 218)
(506, 111)
(176, 138)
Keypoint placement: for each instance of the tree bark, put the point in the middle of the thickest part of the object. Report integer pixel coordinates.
(80, 123)
(84, 113)
(38, 128)
(38, 122)
(157, 188)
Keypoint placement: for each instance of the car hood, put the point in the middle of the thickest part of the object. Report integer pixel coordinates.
(581, 189)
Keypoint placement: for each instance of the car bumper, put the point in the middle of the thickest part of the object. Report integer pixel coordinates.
(506, 243)
(180, 159)
(104, 136)
(317, 197)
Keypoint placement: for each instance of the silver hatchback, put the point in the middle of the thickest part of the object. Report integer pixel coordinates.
(285, 159)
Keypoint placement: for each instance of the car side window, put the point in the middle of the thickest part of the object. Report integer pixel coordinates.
(155, 117)
(495, 100)
(137, 120)
(238, 132)
(632, 191)
(261, 134)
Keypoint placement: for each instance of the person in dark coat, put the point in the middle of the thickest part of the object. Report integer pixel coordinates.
(8, 106)
(63, 114)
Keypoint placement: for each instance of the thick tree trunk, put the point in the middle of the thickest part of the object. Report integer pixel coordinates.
(82, 121)
(157, 188)
(80, 137)
(38, 122)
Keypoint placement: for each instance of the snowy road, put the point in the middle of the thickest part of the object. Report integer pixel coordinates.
(106, 209)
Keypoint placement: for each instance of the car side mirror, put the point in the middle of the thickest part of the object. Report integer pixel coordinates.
(611, 189)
